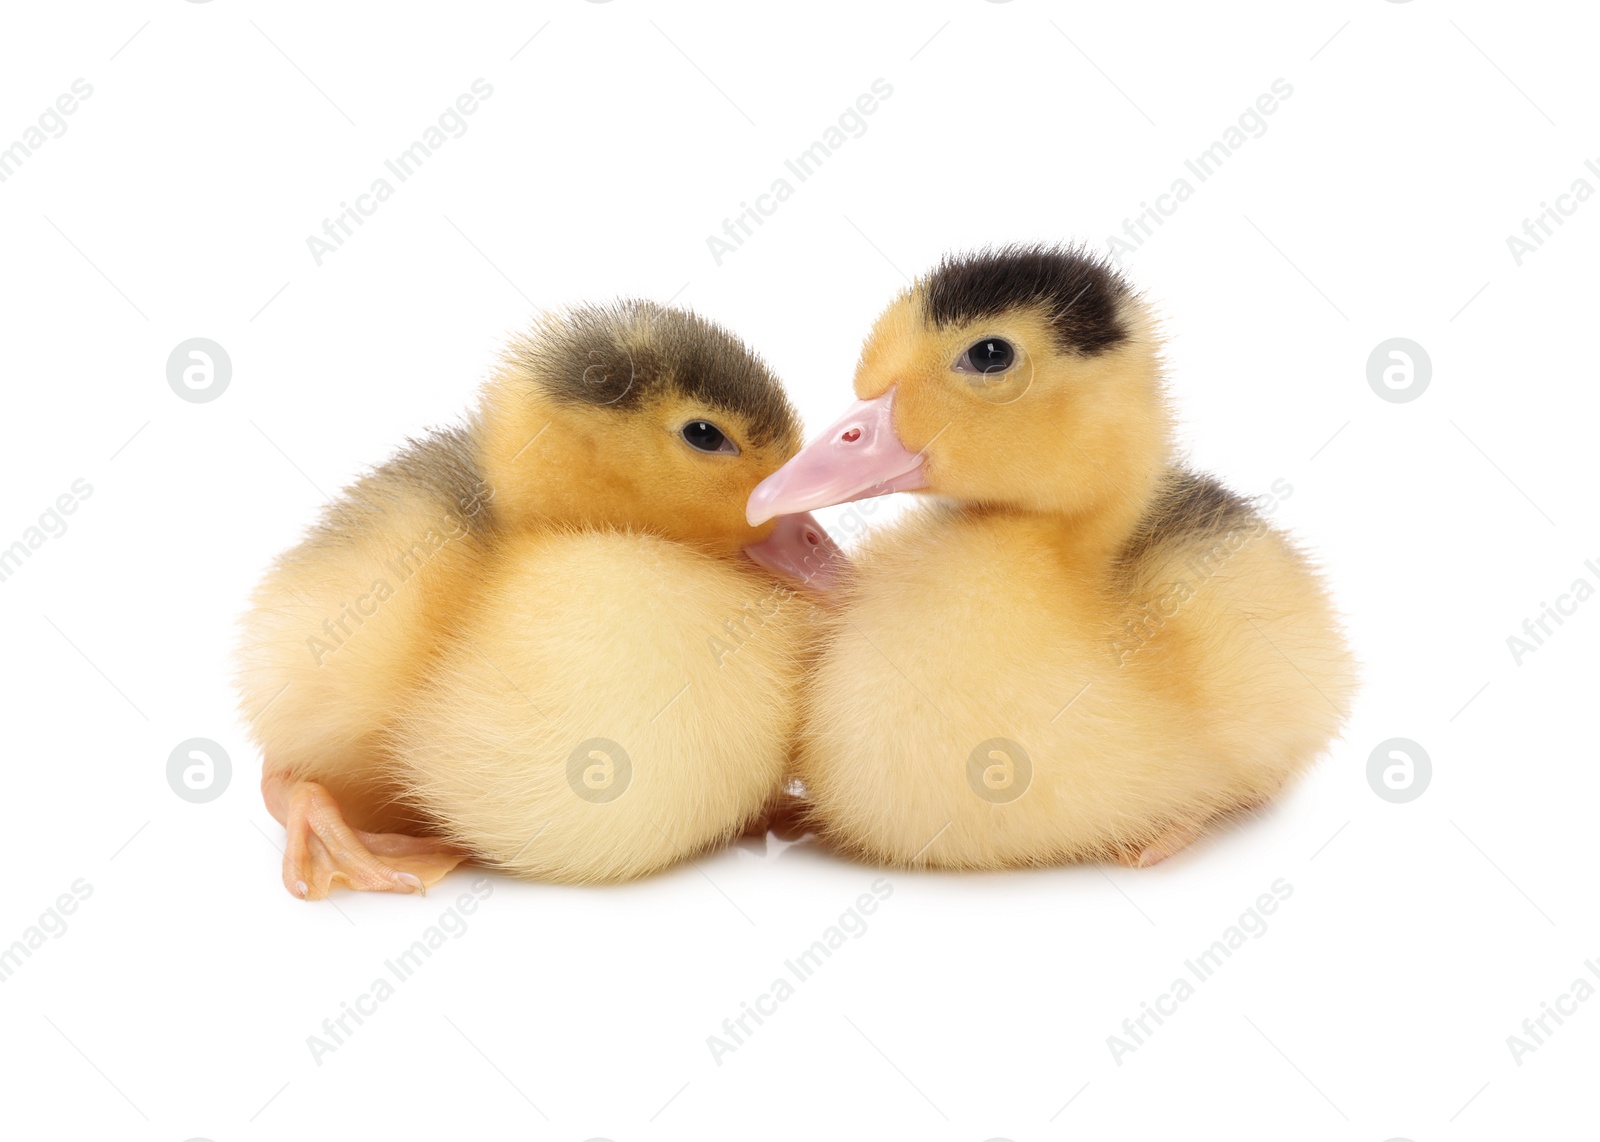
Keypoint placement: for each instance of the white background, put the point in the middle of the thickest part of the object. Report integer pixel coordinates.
(1377, 204)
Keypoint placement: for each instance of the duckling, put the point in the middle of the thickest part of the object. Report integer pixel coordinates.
(528, 639)
(1080, 650)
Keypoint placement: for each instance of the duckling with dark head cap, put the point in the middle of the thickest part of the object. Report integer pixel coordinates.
(1082, 650)
(537, 640)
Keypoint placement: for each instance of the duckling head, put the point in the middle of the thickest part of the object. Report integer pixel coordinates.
(640, 416)
(1026, 377)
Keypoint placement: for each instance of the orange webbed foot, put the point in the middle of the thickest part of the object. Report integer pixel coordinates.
(324, 850)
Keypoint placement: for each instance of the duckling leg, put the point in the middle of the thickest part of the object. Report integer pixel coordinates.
(1174, 839)
(324, 850)
(1178, 837)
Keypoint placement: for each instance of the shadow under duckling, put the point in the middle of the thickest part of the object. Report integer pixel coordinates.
(537, 640)
(1082, 651)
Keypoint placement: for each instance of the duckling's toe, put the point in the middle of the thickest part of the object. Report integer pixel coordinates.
(323, 850)
(1174, 839)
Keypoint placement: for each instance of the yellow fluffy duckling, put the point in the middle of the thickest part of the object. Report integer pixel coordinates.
(1084, 651)
(536, 640)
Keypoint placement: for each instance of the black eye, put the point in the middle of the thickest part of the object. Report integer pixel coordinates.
(704, 436)
(991, 355)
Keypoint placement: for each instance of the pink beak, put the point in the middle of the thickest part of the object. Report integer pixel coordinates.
(856, 457)
(800, 549)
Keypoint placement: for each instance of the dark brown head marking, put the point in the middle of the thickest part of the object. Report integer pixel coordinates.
(1079, 293)
(628, 353)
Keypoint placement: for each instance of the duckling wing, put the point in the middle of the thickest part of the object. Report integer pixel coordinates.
(341, 625)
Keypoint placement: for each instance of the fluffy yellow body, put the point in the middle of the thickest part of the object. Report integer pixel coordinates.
(616, 703)
(978, 705)
(536, 640)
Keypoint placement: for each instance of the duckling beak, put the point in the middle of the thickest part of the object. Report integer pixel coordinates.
(800, 548)
(857, 457)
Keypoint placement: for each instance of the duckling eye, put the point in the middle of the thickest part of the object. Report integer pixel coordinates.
(991, 355)
(703, 436)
